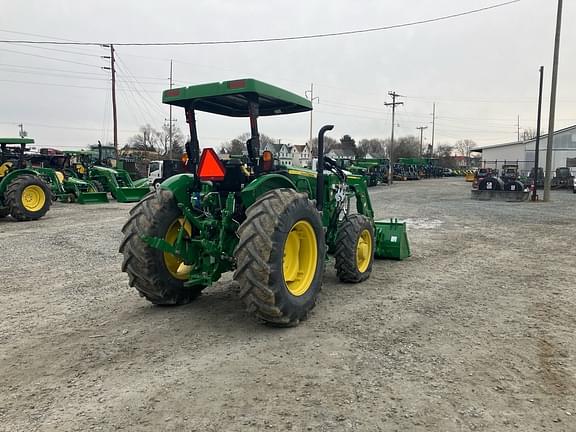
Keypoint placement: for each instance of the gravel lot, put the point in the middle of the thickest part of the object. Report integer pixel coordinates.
(474, 332)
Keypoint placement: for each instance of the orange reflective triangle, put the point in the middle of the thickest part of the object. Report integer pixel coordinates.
(210, 167)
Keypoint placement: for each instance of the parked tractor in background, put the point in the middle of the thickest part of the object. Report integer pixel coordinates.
(106, 179)
(55, 168)
(562, 179)
(23, 193)
(272, 225)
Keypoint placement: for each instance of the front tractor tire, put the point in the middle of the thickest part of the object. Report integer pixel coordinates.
(280, 257)
(158, 276)
(28, 197)
(354, 249)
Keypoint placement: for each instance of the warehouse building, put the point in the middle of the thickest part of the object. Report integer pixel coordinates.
(523, 152)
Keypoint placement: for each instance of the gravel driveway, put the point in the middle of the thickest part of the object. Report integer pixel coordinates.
(476, 331)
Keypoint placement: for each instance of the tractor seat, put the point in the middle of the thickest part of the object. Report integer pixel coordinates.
(234, 177)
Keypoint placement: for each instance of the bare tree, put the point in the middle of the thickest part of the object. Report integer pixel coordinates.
(329, 144)
(445, 153)
(464, 147)
(234, 146)
(406, 147)
(145, 140)
(529, 134)
(373, 146)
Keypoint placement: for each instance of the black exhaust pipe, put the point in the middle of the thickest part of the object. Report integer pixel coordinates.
(320, 167)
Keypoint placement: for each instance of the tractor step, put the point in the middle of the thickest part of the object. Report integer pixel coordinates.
(92, 198)
(391, 240)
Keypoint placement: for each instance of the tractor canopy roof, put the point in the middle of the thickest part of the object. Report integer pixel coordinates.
(230, 98)
(16, 141)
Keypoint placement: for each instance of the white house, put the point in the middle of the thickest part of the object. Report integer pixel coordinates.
(301, 155)
(290, 155)
(523, 152)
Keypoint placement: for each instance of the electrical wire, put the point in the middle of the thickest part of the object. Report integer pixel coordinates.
(49, 58)
(285, 38)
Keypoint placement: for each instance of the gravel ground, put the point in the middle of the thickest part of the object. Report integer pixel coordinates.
(474, 332)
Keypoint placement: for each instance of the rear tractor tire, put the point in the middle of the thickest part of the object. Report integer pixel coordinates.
(158, 276)
(354, 249)
(28, 198)
(280, 257)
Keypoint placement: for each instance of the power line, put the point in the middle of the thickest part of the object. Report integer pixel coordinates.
(49, 58)
(280, 39)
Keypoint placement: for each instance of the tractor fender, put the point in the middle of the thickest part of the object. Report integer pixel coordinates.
(7, 179)
(264, 184)
(180, 185)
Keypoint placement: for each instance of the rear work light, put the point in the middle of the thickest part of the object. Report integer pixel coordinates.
(210, 167)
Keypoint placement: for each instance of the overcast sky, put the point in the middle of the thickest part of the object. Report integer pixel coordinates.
(481, 69)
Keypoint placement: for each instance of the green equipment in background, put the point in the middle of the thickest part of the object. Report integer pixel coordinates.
(55, 168)
(106, 179)
(23, 193)
(272, 225)
(118, 183)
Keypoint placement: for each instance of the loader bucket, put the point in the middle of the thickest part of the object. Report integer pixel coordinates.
(126, 195)
(391, 240)
(141, 183)
(92, 198)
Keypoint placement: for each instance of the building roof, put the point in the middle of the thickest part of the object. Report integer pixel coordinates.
(479, 149)
(300, 147)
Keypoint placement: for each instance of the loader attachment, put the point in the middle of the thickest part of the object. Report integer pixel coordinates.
(92, 198)
(129, 194)
(142, 183)
(391, 240)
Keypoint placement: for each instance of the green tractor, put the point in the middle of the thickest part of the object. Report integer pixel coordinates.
(272, 225)
(56, 170)
(114, 180)
(23, 193)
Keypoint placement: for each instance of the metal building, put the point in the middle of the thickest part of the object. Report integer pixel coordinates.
(523, 152)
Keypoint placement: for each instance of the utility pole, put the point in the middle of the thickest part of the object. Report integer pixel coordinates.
(22, 133)
(537, 149)
(421, 129)
(170, 121)
(393, 104)
(310, 96)
(550, 142)
(518, 127)
(433, 126)
(112, 69)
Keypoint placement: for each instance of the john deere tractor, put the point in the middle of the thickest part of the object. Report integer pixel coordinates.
(272, 225)
(23, 193)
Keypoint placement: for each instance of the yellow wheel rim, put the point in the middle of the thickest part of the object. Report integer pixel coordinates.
(174, 264)
(300, 258)
(364, 251)
(33, 198)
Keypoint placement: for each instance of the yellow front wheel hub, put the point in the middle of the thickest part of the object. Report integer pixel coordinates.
(174, 264)
(364, 251)
(33, 198)
(300, 258)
